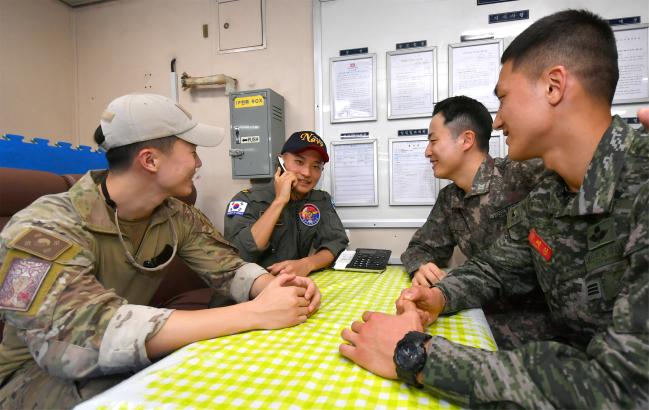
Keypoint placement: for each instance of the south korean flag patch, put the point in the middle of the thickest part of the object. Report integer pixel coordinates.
(236, 208)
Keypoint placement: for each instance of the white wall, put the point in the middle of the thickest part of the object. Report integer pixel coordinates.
(119, 42)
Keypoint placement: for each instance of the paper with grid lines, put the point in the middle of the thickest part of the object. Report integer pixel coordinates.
(293, 368)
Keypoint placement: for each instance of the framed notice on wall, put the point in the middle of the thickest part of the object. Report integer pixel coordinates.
(633, 62)
(473, 70)
(353, 88)
(412, 82)
(411, 176)
(354, 173)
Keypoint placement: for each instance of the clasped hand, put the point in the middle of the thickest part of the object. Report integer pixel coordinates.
(286, 301)
(428, 302)
(371, 343)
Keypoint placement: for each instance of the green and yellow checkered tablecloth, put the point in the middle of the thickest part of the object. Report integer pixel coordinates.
(293, 368)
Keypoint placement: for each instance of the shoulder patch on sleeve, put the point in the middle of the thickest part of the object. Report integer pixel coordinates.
(23, 278)
(236, 208)
(45, 245)
(26, 280)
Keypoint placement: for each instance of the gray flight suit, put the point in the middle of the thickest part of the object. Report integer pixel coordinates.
(295, 233)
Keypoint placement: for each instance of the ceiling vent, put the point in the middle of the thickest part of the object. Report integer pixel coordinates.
(79, 3)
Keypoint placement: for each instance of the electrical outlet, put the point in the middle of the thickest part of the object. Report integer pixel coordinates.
(147, 81)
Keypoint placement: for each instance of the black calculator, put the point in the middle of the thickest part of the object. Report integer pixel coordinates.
(369, 260)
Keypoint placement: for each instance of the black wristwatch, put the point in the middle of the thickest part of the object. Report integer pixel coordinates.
(410, 357)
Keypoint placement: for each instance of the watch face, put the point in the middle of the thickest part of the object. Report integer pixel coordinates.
(409, 355)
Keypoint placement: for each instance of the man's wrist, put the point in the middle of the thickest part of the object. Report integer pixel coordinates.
(259, 284)
(439, 298)
(310, 265)
(280, 201)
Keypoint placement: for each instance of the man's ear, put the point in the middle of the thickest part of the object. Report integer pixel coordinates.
(148, 159)
(468, 140)
(556, 80)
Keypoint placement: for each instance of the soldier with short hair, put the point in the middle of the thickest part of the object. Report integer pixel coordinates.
(288, 226)
(78, 268)
(471, 212)
(582, 235)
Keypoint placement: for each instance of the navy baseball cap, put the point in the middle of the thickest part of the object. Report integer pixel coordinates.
(303, 140)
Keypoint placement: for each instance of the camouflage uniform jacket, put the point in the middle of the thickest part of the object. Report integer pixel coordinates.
(87, 318)
(295, 233)
(589, 252)
(474, 220)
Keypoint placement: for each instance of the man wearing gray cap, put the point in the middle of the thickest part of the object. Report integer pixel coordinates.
(79, 268)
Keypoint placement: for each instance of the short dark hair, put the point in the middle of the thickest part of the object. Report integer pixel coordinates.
(580, 40)
(462, 113)
(120, 158)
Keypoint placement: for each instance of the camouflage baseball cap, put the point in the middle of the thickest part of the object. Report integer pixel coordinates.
(141, 117)
(303, 140)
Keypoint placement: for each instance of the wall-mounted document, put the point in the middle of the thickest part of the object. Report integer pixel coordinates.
(411, 177)
(353, 88)
(633, 62)
(473, 70)
(353, 173)
(495, 146)
(412, 82)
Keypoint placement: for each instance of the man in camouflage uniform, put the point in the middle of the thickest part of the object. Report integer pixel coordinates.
(470, 213)
(79, 267)
(278, 225)
(582, 235)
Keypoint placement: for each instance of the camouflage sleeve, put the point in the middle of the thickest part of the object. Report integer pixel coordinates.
(331, 233)
(613, 371)
(51, 298)
(504, 269)
(237, 227)
(213, 258)
(76, 328)
(127, 332)
(433, 242)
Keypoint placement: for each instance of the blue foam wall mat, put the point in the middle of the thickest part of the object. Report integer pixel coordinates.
(38, 154)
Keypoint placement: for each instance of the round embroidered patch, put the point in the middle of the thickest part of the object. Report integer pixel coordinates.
(310, 215)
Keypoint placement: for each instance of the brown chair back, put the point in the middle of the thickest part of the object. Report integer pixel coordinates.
(21, 187)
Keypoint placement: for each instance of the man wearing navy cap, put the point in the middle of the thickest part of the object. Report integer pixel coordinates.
(287, 226)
